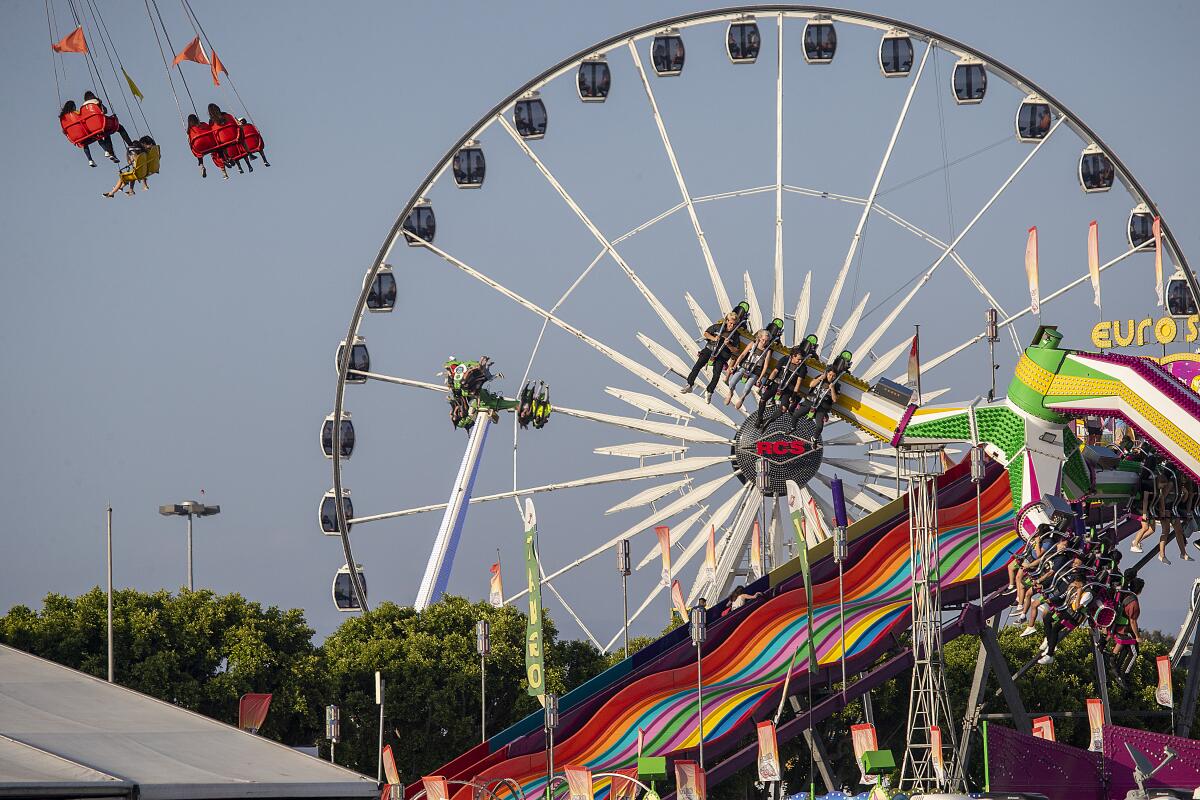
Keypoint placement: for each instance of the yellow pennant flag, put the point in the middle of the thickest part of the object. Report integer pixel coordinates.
(1158, 282)
(1094, 261)
(133, 87)
(1031, 271)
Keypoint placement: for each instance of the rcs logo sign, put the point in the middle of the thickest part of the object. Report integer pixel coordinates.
(781, 447)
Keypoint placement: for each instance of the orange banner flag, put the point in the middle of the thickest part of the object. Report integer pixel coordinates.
(1095, 712)
(1043, 728)
(579, 782)
(677, 600)
(664, 546)
(496, 589)
(217, 66)
(768, 752)
(625, 787)
(689, 781)
(935, 750)
(1094, 261)
(1158, 280)
(389, 766)
(436, 787)
(73, 42)
(756, 551)
(1163, 693)
(1031, 271)
(863, 738)
(194, 51)
(710, 553)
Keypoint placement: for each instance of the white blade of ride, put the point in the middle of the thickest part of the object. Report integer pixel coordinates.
(641, 450)
(702, 320)
(818, 515)
(647, 403)
(716, 522)
(756, 317)
(802, 307)
(669, 430)
(885, 361)
(887, 491)
(648, 496)
(852, 436)
(732, 548)
(849, 327)
(696, 495)
(854, 495)
(859, 466)
(664, 356)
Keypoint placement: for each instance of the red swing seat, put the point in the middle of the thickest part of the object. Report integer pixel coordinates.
(202, 140)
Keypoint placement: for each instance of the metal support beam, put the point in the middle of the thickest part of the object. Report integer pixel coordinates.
(1008, 686)
(1101, 677)
(1191, 690)
(974, 707)
(821, 758)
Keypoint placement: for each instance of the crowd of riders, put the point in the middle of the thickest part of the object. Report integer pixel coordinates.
(778, 377)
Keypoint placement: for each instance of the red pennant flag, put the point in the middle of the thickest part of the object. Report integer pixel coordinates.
(389, 766)
(252, 711)
(194, 51)
(863, 738)
(436, 787)
(768, 752)
(689, 781)
(914, 361)
(579, 782)
(625, 787)
(677, 600)
(73, 42)
(1043, 728)
(641, 741)
(217, 66)
(935, 749)
(1162, 693)
(496, 590)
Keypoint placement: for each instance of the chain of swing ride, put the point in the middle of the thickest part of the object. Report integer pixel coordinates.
(97, 31)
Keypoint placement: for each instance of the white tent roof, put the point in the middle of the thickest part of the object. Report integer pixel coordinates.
(64, 733)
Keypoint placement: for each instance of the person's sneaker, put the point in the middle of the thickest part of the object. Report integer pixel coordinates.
(1185, 556)
(91, 163)
(1163, 558)
(1046, 659)
(708, 398)
(1029, 631)
(1044, 646)
(1016, 617)
(112, 158)
(687, 388)
(1135, 548)
(1085, 598)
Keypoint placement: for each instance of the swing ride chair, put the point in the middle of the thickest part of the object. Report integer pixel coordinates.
(231, 142)
(696, 465)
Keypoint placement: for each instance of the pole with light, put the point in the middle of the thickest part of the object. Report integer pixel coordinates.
(623, 567)
(189, 509)
(333, 728)
(993, 336)
(379, 690)
(699, 631)
(550, 722)
(483, 646)
(111, 665)
(840, 551)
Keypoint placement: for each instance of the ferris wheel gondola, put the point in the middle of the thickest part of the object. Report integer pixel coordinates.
(346, 440)
(682, 450)
(1140, 230)
(469, 166)
(381, 298)
(743, 40)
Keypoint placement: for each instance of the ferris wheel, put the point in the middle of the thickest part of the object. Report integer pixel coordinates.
(842, 174)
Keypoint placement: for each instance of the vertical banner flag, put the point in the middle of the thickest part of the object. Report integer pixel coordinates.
(935, 751)
(579, 782)
(73, 42)
(689, 781)
(496, 591)
(389, 766)
(863, 739)
(756, 550)
(1164, 694)
(252, 711)
(664, 545)
(768, 752)
(1031, 271)
(677, 600)
(914, 361)
(1043, 728)
(641, 741)
(710, 553)
(436, 787)
(535, 663)
(818, 521)
(1158, 283)
(793, 495)
(1095, 712)
(1094, 261)
(625, 787)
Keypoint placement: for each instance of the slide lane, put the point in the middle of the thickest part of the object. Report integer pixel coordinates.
(749, 651)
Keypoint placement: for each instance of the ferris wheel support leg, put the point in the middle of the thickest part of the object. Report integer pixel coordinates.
(441, 558)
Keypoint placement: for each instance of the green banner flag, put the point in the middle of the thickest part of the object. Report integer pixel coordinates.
(796, 507)
(535, 662)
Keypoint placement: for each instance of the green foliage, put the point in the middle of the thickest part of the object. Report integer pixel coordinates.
(195, 649)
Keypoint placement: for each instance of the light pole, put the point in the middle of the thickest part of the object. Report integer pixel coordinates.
(333, 728)
(623, 563)
(699, 631)
(110, 602)
(379, 687)
(551, 722)
(189, 509)
(483, 646)
(993, 336)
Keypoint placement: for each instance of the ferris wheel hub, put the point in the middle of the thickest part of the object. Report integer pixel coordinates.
(786, 453)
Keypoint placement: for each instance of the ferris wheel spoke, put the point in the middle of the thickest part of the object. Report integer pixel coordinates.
(885, 361)
(641, 450)
(714, 276)
(641, 526)
(777, 295)
(732, 548)
(570, 610)
(849, 326)
(668, 430)
(668, 359)
(818, 513)
(858, 466)
(680, 466)
(800, 318)
(701, 319)
(1008, 322)
(925, 276)
(756, 317)
(853, 436)
(377, 376)
(697, 495)
(716, 522)
(839, 283)
(856, 497)
(647, 403)
(659, 309)
(648, 496)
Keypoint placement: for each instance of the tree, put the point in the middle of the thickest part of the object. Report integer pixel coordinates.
(432, 671)
(195, 649)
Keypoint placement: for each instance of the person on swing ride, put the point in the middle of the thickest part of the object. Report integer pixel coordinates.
(135, 157)
(197, 128)
(750, 364)
(216, 118)
(786, 382)
(721, 342)
(822, 397)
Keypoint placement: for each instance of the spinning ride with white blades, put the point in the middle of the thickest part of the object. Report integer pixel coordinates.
(694, 463)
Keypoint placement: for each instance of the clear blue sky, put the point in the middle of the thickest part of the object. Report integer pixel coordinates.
(184, 339)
